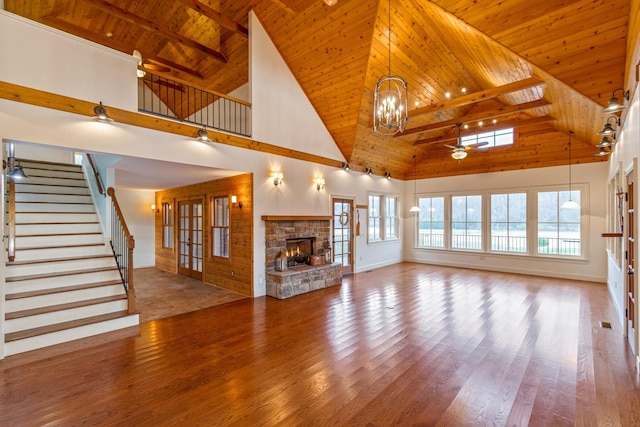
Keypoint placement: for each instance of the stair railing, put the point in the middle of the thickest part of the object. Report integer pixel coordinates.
(96, 173)
(122, 244)
(11, 219)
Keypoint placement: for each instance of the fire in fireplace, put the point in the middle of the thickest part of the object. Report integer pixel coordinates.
(299, 250)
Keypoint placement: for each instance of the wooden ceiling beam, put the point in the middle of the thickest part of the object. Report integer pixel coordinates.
(487, 115)
(502, 125)
(286, 5)
(483, 95)
(154, 28)
(62, 25)
(216, 16)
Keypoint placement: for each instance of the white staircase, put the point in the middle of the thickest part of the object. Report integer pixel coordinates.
(64, 283)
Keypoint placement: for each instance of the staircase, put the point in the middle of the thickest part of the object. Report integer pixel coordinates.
(64, 283)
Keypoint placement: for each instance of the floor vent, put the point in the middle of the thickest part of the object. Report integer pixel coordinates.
(606, 325)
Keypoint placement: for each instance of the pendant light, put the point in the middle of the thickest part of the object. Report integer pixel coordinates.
(390, 112)
(570, 204)
(415, 207)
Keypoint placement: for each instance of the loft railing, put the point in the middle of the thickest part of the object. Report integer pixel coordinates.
(122, 244)
(96, 174)
(181, 101)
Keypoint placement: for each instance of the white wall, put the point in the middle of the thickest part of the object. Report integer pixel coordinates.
(594, 265)
(136, 208)
(623, 157)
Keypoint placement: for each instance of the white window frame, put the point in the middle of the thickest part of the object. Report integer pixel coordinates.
(383, 218)
(508, 222)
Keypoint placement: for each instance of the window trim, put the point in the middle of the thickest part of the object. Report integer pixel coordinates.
(383, 217)
(532, 221)
(215, 227)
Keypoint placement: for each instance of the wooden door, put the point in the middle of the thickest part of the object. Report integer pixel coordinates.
(630, 288)
(190, 254)
(343, 236)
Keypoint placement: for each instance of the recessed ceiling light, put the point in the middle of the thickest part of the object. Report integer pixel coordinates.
(480, 123)
(109, 34)
(447, 95)
(464, 90)
(466, 126)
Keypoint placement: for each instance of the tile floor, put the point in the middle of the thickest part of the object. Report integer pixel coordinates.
(160, 294)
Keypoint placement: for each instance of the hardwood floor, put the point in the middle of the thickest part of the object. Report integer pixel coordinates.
(408, 344)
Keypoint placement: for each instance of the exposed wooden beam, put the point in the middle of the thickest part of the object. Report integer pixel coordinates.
(154, 28)
(216, 16)
(487, 115)
(65, 26)
(54, 101)
(286, 5)
(502, 125)
(478, 96)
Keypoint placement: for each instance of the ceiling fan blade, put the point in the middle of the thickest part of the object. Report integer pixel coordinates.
(455, 147)
(476, 145)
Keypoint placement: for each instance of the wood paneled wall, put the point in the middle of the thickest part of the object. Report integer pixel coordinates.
(234, 273)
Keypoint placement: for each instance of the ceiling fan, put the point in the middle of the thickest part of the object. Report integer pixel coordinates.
(148, 66)
(459, 151)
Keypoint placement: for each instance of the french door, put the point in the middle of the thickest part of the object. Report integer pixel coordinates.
(343, 238)
(190, 233)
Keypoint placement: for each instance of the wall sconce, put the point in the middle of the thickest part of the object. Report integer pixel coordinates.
(234, 201)
(17, 173)
(614, 105)
(153, 208)
(101, 114)
(605, 142)
(387, 175)
(203, 135)
(277, 178)
(345, 166)
(368, 171)
(608, 128)
(319, 184)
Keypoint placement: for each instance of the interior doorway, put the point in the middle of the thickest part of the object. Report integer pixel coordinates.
(190, 220)
(343, 236)
(630, 256)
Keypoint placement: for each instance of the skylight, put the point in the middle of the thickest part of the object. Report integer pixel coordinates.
(493, 139)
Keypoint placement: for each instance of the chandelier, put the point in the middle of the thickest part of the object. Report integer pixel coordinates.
(390, 111)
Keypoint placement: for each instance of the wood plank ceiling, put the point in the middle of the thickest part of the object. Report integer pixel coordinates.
(544, 67)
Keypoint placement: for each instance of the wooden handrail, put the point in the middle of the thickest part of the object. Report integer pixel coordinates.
(96, 173)
(130, 245)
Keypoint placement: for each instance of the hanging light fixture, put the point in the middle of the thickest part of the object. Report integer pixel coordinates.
(414, 208)
(203, 135)
(390, 112)
(614, 105)
(459, 152)
(570, 204)
(345, 166)
(602, 152)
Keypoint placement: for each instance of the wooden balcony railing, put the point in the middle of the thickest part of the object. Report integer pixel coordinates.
(122, 244)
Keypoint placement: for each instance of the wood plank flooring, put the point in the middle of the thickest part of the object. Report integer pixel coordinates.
(408, 344)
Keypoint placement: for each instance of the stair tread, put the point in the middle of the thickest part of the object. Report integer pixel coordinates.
(46, 162)
(37, 248)
(51, 291)
(57, 223)
(63, 273)
(45, 260)
(57, 234)
(56, 327)
(60, 307)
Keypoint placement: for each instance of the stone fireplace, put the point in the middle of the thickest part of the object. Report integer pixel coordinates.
(300, 237)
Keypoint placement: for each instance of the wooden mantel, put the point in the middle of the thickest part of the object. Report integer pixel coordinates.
(297, 217)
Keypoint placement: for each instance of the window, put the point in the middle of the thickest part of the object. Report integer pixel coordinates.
(492, 139)
(383, 217)
(509, 222)
(431, 222)
(558, 228)
(220, 226)
(466, 222)
(167, 225)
